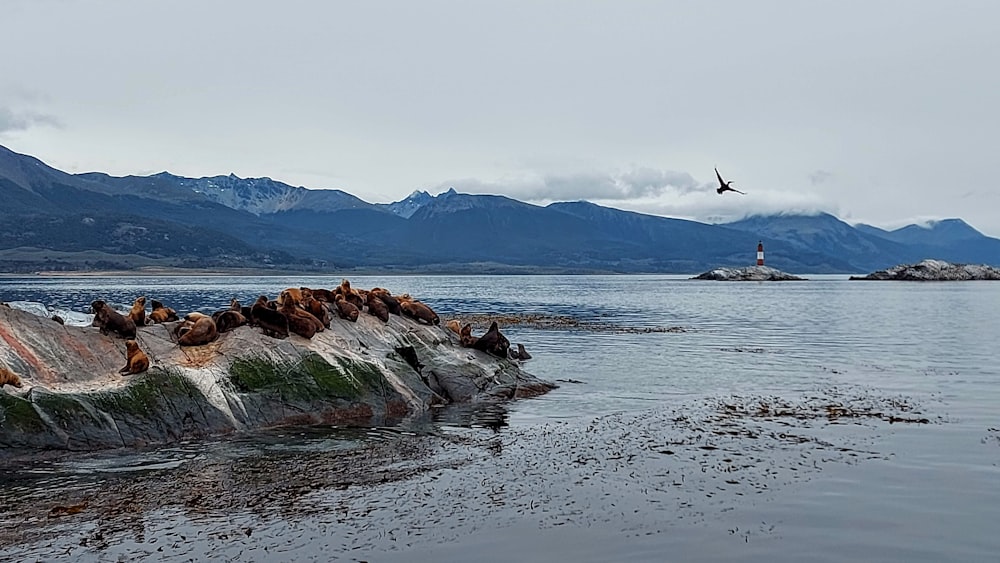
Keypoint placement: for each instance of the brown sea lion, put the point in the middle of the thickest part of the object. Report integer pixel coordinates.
(419, 312)
(228, 320)
(109, 320)
(299, 321)
(58, 319)
(391, 302)
(323, 295)
(234, 305)
(350, 294)
(292, 294)
(454, 326)
(316, 309)
(136, 361)
(466, 338)
(161, 314)
(493, 342)
(271, 322)
(138, 312)
(377, 308)
(346, 309)
(196, 330)
(8, 377)
(345, 287)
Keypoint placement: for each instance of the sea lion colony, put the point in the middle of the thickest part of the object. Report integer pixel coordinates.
(302, 311)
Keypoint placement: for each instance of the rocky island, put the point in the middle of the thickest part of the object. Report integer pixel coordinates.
(65, 389)
(749, 273)
(934, 270)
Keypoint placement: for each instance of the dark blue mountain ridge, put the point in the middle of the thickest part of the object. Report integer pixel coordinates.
(942, 231)
(450, 232)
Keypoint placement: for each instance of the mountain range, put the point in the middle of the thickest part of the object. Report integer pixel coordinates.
(53, 220)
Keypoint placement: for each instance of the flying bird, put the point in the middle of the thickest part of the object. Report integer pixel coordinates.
(724, 186)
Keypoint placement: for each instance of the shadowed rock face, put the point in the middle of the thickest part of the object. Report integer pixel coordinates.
(74, 398)
(750, 273)
(934, 270)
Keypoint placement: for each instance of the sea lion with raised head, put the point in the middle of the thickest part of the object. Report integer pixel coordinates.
(109, 320)
(138, 312)
(136, 361)
(465, 336)
(493, 342)
(292, 294)
(519, 354)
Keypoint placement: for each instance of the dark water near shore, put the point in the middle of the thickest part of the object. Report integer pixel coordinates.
(721, 440)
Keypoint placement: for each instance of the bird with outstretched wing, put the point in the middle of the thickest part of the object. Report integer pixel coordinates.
(724, 186)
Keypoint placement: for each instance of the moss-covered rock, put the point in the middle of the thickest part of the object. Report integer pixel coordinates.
(75, 398)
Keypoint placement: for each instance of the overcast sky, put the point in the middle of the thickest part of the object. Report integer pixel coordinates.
(875, 111)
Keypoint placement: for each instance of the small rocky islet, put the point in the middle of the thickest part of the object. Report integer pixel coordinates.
(934, 270)
(748, 273)
(66, 387)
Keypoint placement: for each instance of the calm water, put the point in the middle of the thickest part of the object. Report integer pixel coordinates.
(654, 447)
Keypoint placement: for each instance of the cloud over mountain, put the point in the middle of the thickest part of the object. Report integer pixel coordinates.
(11, 120)
(608, 186)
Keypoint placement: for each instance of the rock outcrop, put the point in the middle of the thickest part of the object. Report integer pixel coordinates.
(749, 273)
(934, 270)
(365, 372)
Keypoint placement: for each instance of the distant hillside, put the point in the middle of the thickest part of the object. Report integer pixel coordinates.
(227, 221)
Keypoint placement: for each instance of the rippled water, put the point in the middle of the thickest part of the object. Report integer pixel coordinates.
(655, 446)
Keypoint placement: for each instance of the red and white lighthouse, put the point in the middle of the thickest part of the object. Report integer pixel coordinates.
(760, 253)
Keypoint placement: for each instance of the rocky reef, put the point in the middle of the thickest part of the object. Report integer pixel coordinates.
(366, 372)
(934, 270)
(749, 273)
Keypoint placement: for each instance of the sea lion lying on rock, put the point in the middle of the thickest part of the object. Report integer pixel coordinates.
(346, 309)
(161, 314)
(391, 302)
(299, 320)
(196, 330)
(454, 326)
(136, 361)
(418, 311)
(271, 322)
(377, 307)
(316, 308)
(323, 295)
(8, 377)
(234, 305)
(109, 320)
(228, 320)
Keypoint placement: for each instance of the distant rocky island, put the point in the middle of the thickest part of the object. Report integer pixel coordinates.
(934, 270)
(749, 273)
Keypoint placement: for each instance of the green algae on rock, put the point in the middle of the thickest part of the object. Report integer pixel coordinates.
(353, 373)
